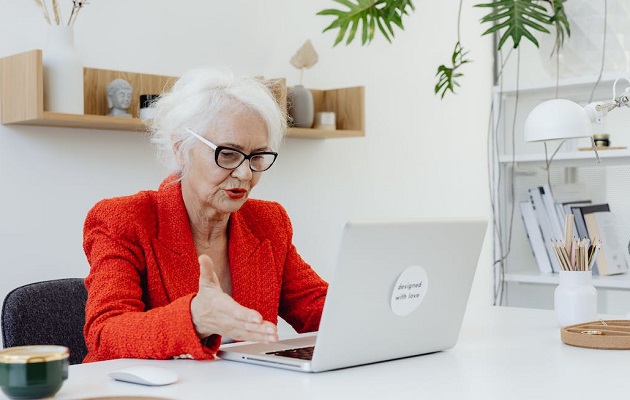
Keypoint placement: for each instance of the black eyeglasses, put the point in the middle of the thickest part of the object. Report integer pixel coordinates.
(229, 158)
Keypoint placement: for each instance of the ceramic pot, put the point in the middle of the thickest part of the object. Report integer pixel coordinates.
(33, 372)
(63, 72)
(301, 107)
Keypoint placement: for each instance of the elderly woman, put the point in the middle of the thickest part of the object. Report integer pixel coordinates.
(174, 271)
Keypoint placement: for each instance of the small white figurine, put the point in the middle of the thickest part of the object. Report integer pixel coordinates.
(119, 98)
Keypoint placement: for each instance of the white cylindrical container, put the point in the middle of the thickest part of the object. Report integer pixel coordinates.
(63, 72)
(325, 120)
(575, 298)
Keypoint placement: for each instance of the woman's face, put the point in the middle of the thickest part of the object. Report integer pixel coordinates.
(215, 189)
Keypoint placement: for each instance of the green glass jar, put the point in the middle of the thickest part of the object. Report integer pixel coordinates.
(33, 372)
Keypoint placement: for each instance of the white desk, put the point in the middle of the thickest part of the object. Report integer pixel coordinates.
(503, 353)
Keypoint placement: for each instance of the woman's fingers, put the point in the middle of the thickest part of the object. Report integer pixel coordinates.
(265, 332)
(242, 323)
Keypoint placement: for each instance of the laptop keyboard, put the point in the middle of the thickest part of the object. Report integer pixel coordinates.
(303, 353)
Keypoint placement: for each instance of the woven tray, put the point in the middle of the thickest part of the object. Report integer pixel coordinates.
(603, 334)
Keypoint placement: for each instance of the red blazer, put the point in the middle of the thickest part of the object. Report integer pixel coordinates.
(144, 273)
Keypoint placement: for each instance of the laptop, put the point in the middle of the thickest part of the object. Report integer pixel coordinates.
(400, 289)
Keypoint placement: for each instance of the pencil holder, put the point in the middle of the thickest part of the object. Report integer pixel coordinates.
(575, 298)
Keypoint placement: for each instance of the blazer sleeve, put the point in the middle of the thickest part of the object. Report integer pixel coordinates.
(118, 323)
(303, 290)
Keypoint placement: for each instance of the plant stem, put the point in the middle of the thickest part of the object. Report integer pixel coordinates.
(42, 5)
(55, 7)
(459, 18)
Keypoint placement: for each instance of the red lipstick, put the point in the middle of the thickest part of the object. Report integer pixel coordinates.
(236, 193)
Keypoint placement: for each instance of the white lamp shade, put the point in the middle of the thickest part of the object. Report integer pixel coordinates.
(557, 119)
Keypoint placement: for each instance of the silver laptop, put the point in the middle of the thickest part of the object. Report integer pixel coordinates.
(400, 289)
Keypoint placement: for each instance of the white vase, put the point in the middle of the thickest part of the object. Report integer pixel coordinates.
(301, 107)
(575, 298)
(63, 72)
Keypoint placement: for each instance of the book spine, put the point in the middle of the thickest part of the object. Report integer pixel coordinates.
(543, 221)
(536, 242)
(578, 221)
(556, 222)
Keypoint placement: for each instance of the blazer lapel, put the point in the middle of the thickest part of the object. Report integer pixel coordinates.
(255, 284)
(175, 253)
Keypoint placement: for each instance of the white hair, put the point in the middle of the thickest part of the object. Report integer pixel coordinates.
(195, 101)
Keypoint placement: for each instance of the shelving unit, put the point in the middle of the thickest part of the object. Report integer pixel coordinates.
(22, 100)
(564, 86)
(618, 282)
(571, 159)
(520, 165)
(349, 108)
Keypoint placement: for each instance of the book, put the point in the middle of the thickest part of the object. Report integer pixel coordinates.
(532, 229)
(542, 217)
(580, 210)
(611, 258)
(556, 222)
(565, 208)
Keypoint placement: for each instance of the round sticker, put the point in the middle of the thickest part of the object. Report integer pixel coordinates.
(409, 290)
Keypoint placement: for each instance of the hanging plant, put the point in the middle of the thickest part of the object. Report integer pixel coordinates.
(447, 75)
(368, 14)
(509, 19)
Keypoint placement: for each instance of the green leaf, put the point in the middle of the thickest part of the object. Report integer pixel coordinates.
(447, 75)
(353, 31)
(561, 23)
(342, 32)
(383, 31)
(517, 19)
(369, 14)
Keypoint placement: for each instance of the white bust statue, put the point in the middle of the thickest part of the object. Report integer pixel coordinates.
(119, 98)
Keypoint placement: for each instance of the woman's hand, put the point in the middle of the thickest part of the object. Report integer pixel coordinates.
(214, 312)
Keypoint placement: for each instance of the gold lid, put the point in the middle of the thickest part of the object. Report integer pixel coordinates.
(601, 136)
(33, 354)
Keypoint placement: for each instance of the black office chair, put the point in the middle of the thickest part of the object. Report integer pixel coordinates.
(49, 312)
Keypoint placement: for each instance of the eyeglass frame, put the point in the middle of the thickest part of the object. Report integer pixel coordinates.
(217, 151)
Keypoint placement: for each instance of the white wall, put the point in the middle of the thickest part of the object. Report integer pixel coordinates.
(420, 157)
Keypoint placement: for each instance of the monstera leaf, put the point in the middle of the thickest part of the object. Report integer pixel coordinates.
(368, 14)
(515, 19)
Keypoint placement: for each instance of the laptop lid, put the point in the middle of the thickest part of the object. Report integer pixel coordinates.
(400, 289)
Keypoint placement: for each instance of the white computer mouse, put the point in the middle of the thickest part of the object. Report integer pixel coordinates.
(145, 375)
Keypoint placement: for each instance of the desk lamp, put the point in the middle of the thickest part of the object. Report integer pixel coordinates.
(564, 119)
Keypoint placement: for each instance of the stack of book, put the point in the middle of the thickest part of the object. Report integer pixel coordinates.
(544, 221)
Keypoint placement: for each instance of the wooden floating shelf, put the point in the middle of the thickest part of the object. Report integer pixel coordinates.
(85, 121)
(305, 133)
(22, 100)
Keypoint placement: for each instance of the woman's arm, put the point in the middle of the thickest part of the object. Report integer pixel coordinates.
(303, 294)
(118, 323)
(303, 290)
